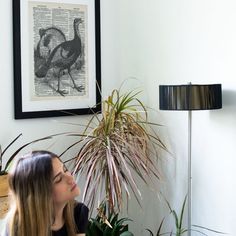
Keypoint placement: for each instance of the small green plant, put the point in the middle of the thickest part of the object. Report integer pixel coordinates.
(158, 230)
(179, 228)
(107, 224)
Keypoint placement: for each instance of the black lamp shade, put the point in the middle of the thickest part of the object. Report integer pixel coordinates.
(190, 97)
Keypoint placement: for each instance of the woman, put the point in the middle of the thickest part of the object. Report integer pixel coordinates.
(43, 191)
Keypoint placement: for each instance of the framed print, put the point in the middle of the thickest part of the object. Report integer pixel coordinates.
(57, 66)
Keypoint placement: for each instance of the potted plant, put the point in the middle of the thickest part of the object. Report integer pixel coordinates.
(117, 149)
(4, 204)
(3, 169)
(4, 179)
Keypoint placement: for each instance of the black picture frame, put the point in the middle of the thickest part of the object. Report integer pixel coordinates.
(36, 96)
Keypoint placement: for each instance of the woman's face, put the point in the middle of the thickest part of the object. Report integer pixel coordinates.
(64, 186)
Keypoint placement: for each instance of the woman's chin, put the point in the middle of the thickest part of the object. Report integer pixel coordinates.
(76, 191)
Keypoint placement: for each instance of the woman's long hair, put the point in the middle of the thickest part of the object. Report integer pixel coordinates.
(31, 187)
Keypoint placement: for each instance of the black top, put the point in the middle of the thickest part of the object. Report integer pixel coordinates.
(81, 221)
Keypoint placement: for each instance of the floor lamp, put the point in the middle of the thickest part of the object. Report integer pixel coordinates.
(190, 97)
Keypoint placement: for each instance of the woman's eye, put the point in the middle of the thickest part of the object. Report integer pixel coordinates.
(58, 180)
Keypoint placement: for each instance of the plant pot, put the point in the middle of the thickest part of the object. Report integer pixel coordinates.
(4, 201)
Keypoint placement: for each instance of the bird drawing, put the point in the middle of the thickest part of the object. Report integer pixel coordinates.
(54, 52)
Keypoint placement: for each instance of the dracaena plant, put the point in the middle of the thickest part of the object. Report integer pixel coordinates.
(117, 146)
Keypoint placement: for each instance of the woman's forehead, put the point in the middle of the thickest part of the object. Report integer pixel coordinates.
(56, 164)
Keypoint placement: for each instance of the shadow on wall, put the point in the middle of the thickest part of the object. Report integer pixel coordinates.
(229, 99)
(228, 107)
(228, 111)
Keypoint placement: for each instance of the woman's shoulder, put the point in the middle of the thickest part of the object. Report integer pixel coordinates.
(81, 208)
(81, 216)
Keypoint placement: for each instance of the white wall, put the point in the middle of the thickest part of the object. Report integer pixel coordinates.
(34, 128)
(174, 42)
(37, 128)
(162, 42)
